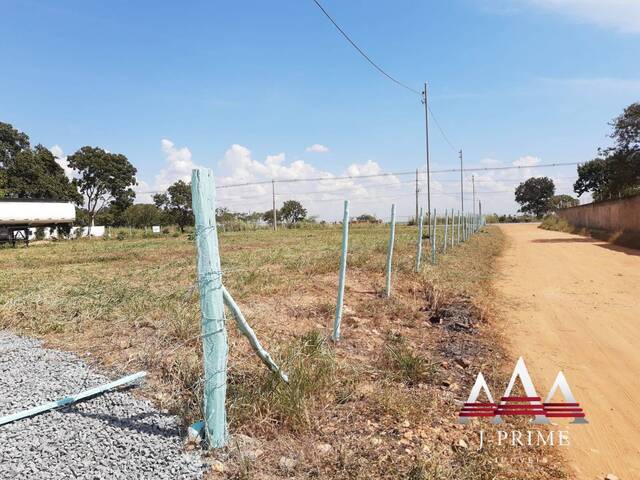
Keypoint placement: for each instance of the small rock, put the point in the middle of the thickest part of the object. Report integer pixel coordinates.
(406, 424)
(217, 466)
(376, 441)
(324, 448)
(611, 476)
(287, 464)
(462, 444)
(463, 362)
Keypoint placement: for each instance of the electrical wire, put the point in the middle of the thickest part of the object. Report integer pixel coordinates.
(386, 174)
(361, 52)
(441, 130)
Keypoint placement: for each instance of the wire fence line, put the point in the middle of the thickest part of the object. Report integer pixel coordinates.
(214, 296)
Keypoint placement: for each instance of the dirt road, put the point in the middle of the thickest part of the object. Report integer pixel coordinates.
(572, 303)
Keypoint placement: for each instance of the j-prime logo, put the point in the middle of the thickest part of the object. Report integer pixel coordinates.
(529, 405)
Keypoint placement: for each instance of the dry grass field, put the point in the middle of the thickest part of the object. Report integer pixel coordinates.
(381, 404)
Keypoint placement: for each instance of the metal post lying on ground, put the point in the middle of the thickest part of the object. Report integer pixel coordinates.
(248, 332)
(392, 234)
(343, 271)
(214, 334)
(433, 238)
(72, 398)
(419, 245)
(446, 230)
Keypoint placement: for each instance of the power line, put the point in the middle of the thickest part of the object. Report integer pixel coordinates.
(361, 52)
(444, 135)
(396, 174)
(386, 174)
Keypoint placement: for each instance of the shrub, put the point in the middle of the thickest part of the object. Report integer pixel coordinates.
(553, 222)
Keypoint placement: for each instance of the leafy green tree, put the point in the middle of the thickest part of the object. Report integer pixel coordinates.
(30, 173)
(626, 128)
(268, 216)
(36, 174)
(534, 195)
(105, 178)
(563, 201)
(367, 218)
(11, 143)
(142, 215)
(593, 177)
(292, 211)
(176, 204)
(616, 171)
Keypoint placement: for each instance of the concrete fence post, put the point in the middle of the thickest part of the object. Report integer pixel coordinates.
(446, 230)
(392, 234)
(214, 334)
(453, 227)
(343, 272)
(419, 245)
(434, 237)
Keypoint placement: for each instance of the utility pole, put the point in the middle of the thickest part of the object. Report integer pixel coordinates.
(273, 196)
(425, 100)
(473, 184)
(461, 185)
(417, 190)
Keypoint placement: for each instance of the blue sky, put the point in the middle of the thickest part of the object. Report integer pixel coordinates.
(246, 87)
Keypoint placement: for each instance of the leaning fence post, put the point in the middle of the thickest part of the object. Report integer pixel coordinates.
(419, 246)
(214, 335)
(343, 271)
(446, 230)
(392, 235)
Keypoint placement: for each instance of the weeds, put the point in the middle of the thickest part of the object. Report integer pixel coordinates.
(310, 366)
(405, 365)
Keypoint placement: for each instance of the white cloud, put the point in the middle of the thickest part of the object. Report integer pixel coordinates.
(526, 161)
(622, 15)
(61, 159)
(317, 148)
(178, 165)
(323, 198)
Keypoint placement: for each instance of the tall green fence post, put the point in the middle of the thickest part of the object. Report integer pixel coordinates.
(419, 246)
(466, 227)
(392, 234)
(453, 227)
(343, 271)
(434, 237)
(446, 230)
(214, 335)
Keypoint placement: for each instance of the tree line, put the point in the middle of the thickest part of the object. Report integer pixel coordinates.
(614, 173)
(102, 187)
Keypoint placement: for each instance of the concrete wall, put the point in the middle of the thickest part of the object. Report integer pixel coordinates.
(612, 215)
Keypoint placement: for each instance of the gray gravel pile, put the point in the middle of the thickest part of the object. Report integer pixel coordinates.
(110, 436)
